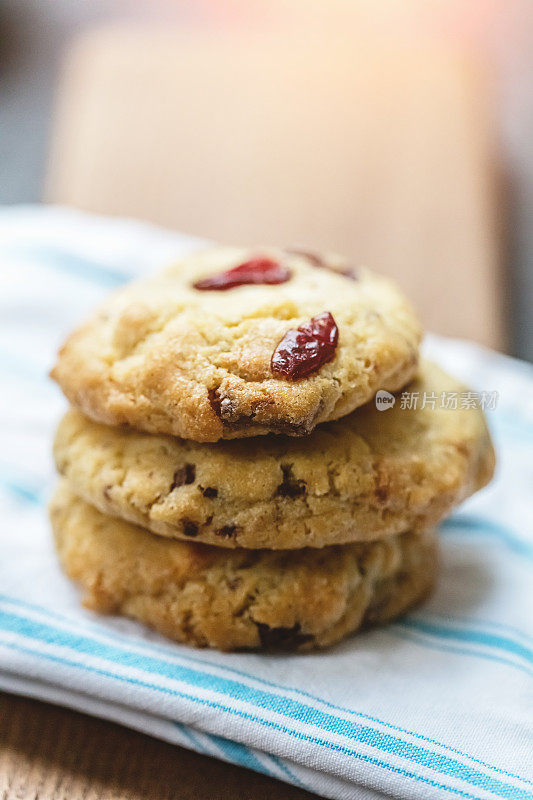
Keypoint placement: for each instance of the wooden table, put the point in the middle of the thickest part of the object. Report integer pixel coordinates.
(49, 753)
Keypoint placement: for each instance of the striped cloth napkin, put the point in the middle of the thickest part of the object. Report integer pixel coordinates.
(437, 705)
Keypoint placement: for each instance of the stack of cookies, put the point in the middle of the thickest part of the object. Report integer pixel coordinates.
(228, 477)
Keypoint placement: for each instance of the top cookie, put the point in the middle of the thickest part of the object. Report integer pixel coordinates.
(205, 351)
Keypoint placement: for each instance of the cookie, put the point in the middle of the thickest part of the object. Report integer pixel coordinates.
(232, 343)
(238, 599)
(369, 475)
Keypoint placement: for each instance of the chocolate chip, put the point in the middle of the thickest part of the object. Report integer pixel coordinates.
(190, 528)
(376, 608)
(290, 429)
(210, 492)
(290, 486)
(214, 402)
(107, 491)
(282, 638)
(226, 412)
(382, 493)
(222, 406)
(348, 273)
(317, 261)
(382, 489)
(183, 475)
(313, 258)
(286, 428)
(226, 531)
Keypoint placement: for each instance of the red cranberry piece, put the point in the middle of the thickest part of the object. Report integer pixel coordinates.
(306, 349)
(257, 270)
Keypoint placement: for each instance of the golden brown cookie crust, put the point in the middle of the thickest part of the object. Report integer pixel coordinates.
(237, 599)
(367, 476)
(164, 357)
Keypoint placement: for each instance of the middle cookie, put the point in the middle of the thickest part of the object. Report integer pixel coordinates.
(367, 476)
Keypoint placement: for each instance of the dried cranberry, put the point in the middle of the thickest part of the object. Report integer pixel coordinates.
(306, 349)
(256, 270)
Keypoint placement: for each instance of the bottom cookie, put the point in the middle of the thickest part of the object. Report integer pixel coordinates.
(238, 599)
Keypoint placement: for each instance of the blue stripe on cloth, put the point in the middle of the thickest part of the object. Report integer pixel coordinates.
(260, 699)
(516, 795)
(280, 763)
(234, 752)
(170, 651)
(193, 740)
(239, 754)
(67, 262)
(473, 637)
(475, 622)
(421, 639)
(23, 492)
(475, 524)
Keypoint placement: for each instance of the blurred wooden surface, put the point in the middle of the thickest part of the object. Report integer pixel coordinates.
(48, 753)
(381, 152)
